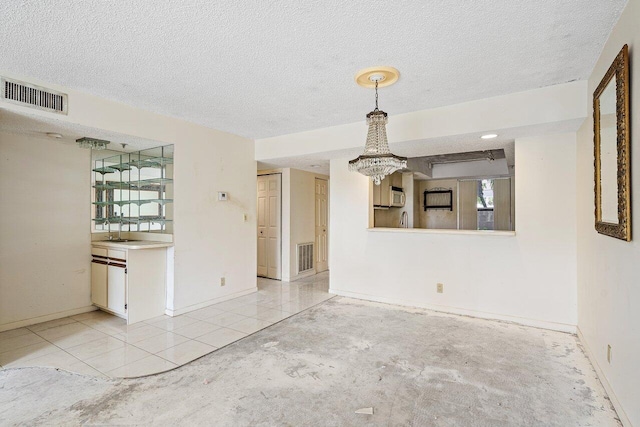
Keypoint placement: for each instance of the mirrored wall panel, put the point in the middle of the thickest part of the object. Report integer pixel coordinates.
(134, 191)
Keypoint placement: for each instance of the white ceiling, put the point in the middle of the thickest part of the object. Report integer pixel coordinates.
(266, 68)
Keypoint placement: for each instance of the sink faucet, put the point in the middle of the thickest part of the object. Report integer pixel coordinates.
(109, 229)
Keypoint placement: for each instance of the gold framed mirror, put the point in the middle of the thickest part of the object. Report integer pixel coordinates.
(611, 150)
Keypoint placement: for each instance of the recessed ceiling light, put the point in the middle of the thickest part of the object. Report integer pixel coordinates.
(54, 135)
(314, 166)
(489, 136)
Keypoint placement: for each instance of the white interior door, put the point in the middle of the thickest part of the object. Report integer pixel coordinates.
(322, 226)
(269, 223)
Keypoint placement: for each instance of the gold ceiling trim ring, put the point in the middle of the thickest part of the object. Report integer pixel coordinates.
(386, 76)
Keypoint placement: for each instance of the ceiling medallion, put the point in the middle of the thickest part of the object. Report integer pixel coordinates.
(377, 161)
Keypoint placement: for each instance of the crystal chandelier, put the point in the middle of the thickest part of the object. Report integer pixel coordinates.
(377, 161)
(92, 143)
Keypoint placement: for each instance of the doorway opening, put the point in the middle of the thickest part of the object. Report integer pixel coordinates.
(292, 224)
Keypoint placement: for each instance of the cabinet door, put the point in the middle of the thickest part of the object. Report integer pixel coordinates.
(99, 283)
(117, 288)
(385, 186)
(395, 179)
(376, 195)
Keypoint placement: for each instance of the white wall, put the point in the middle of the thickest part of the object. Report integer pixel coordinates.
(44, 229)
(211, 238)
(608, 268)
(529, 277)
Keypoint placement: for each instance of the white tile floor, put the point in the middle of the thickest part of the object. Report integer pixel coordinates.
(100, 344)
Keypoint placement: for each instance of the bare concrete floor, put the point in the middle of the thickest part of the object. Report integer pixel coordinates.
(413, 367)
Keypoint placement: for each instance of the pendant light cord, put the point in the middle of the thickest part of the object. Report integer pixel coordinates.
(376, 96)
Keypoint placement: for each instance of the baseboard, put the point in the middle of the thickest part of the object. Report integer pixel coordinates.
(179, 311)
(543, 324)
(46, 318)
(605, 383)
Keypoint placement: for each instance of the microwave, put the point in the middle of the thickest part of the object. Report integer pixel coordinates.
(396, 197)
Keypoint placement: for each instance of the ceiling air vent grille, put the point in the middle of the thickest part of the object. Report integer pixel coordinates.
(33, 96)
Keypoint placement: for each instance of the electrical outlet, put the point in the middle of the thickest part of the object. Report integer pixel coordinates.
(608, 353)
(222, 281)
(440, 288)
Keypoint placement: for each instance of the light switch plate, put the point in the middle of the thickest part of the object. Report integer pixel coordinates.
(223, 196)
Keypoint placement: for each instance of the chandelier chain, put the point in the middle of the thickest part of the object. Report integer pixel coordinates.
(376, 96)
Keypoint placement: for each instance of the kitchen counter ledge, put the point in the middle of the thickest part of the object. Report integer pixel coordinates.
(136, 244)
(439, 231)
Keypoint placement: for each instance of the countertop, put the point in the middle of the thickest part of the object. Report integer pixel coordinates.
(442, 231)
(134, 244)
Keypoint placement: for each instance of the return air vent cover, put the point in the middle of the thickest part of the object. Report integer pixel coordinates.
(305, 257)
(33, 96)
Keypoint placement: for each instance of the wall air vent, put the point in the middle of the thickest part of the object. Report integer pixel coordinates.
(32, 96)
(305, 257)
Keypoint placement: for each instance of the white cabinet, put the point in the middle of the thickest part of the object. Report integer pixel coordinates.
(130, 283)
(382, 192)
(109, 282)
(117, 288)
(99, 282)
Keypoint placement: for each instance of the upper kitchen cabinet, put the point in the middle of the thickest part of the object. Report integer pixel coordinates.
(134, 191)
(383, 194)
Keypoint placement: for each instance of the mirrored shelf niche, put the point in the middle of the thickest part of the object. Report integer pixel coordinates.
(133, 191)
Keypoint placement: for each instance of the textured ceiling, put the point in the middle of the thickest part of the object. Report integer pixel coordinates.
(266, 68)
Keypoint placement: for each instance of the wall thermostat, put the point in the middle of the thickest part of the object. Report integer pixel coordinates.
(222, 196)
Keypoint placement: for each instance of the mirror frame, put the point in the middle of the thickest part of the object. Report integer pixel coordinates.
(620, 69)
